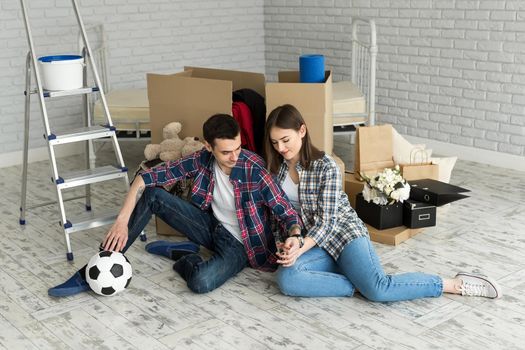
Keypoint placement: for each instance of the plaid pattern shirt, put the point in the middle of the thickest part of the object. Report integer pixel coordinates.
(326, 213)
(255, 192)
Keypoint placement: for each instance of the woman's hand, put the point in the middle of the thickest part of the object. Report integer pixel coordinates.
(117, 236)
(288, 252)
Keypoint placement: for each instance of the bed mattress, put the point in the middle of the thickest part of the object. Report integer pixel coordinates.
(129, 109)
(348, 99)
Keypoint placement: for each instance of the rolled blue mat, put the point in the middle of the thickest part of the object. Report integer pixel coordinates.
(311, 68)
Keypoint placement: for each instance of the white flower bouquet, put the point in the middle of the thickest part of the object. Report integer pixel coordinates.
(387, 187)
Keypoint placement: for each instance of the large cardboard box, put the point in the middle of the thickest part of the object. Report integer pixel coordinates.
(192, 96)
(313, 100)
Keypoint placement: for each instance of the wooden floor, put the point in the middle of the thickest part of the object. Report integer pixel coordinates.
(485, 233)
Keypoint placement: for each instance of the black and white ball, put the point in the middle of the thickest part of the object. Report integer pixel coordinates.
(108, 273)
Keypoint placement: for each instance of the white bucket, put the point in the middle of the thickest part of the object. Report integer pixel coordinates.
(61, 72)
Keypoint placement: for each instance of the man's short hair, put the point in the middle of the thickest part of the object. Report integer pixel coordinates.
(220, 126)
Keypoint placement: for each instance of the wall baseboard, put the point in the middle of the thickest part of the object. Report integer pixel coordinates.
(39, 154)
(498, 159)
(503, 160)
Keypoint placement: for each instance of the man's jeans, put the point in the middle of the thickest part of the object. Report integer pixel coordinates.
(317, 274)
(201, 227)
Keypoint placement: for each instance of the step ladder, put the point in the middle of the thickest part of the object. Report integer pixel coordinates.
(87, 133)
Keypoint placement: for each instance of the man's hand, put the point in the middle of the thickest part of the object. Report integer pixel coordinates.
(117, 236)
(289, 251)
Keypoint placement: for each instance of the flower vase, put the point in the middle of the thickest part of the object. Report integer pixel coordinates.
(379, 216)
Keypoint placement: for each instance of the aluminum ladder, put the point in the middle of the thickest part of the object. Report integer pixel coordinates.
(87, 133)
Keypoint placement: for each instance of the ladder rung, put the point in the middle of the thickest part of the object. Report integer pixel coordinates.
(89, 220)
(81, 134)
(90, 176)
(43, 204)
(61, 93)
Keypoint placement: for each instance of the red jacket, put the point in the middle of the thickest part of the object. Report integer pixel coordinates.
(243, 116)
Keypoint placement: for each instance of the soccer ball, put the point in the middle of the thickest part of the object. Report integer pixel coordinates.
(108, 273)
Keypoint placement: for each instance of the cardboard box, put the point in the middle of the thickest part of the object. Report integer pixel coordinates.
(418, 215)
(379, 216)
(191, 97)
(353, 187)
(392, 236)
(313, 100)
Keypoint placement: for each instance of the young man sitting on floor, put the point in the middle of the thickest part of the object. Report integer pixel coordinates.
(227, 214)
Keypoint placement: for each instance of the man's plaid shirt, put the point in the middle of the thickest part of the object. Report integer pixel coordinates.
(255, 191)
(327, 215)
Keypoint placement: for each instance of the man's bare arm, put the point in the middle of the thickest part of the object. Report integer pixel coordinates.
(117, 236)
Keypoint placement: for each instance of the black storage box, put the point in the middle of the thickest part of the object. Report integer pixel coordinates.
(418, 214)
(435, 192)
(379, 216)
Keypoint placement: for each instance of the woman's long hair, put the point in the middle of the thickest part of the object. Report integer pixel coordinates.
(288, 117)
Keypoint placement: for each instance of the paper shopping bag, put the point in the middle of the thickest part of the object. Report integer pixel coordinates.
(420, 167)
(373, 149)
(420, 171)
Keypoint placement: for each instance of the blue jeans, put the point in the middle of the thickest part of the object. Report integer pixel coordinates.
(229, 256)
(317, 274)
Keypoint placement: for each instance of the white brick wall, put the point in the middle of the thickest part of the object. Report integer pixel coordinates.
(448, 70)
(144, 36)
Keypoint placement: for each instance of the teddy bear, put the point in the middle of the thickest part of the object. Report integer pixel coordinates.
(191, 145)
(172, 146)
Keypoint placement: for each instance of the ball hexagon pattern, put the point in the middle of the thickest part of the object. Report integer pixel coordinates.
(108, 273)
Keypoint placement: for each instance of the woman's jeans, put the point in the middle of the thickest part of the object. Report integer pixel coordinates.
(317, 274)
(201, 227)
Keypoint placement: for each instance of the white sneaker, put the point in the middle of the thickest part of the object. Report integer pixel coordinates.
(475, 285)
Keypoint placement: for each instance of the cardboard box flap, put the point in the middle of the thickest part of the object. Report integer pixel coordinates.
(240, 79)
(187, 100)
(373, 149)
(376, 145)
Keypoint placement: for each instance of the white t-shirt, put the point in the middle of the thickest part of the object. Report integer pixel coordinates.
(292, 192)
(223, 203)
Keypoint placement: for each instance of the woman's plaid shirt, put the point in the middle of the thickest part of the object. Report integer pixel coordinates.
(327, 215)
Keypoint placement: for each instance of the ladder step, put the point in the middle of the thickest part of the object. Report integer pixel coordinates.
(89, 220)
(81, 134)
(90, 176)
(62, 93)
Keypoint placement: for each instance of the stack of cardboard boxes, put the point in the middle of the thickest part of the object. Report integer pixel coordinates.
(374, 152)
(192, 96)
(195, 94)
